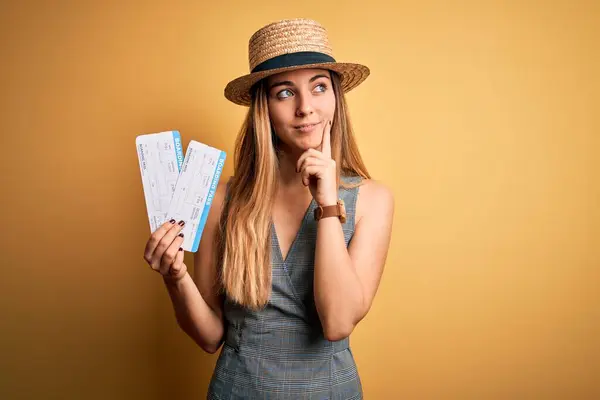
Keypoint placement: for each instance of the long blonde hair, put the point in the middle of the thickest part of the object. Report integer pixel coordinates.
(243, 240)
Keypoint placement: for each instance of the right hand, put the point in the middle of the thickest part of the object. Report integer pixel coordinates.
(163, 251)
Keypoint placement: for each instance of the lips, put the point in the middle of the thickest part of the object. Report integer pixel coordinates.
(306, 126)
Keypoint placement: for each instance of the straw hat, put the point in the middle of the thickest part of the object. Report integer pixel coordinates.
(287, 45)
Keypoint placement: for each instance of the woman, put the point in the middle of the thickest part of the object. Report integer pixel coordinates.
(291, 256)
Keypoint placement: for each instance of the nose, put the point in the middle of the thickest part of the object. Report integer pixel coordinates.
(304, 106)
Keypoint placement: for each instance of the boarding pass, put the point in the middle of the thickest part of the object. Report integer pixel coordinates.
(195, 189)
(178, 187)
(160, 156)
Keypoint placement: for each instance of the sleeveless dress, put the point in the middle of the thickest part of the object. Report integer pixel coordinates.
(280, 352)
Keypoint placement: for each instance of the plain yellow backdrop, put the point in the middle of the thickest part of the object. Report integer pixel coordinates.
(481, 116)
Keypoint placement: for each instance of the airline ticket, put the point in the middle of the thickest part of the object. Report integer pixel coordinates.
(195, 189)
(160, 156)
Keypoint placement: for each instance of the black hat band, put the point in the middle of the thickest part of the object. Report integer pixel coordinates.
(292, 60)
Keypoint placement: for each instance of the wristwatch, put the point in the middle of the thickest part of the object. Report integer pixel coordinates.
(336, 210)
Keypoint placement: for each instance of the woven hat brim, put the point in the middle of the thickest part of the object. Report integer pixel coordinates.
(352, 75)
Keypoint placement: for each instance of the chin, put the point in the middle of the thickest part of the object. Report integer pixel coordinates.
(307, 144)
(308, 141)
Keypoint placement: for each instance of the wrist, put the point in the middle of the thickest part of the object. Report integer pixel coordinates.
(173, 280)
(329, 201)
(337, 209)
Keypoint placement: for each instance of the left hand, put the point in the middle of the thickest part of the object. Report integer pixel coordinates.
(318, 170)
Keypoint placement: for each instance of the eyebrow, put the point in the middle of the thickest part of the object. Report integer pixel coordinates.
(290, 83)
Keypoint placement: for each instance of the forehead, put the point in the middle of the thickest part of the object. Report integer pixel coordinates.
(298, 75)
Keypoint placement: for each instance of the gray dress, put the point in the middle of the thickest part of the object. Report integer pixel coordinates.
(280, 352)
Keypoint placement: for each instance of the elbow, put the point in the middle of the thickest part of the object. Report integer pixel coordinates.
(337, 331)
(210, 348)
(340, 327)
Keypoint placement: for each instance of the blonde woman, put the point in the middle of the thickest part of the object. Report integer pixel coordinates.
(294, 247)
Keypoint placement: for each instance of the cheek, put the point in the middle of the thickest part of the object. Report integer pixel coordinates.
(279, 115)
(327, 105)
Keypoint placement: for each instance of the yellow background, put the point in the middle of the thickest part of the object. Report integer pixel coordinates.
(481, 116)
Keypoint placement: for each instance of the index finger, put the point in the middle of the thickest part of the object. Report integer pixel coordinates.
(326, 141)
(157, 235)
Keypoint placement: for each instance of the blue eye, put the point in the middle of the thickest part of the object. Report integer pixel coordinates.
(324, 86)
(279, 95)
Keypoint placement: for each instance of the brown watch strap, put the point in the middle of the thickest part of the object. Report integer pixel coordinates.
(336, 210)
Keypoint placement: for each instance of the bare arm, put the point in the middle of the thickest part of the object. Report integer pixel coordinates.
(194, 315)
(197, 304)
(346, 280)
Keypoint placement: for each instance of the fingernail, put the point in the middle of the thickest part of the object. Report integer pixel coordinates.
(181, 234)
(172, 221)
(182, 223)
(180, 249)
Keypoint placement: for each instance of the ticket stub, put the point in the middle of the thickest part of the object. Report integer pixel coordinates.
(160, 156)
(195, 190)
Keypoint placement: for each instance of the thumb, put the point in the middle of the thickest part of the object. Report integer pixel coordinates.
(178, 268)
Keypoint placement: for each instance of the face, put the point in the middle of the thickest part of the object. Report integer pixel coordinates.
(300, 103)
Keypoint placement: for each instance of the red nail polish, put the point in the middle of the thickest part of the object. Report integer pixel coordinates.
(181, 234)
(180, 249)
(172, 221)
(182, 223)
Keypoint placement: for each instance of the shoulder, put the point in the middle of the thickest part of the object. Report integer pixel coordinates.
(374, 199)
